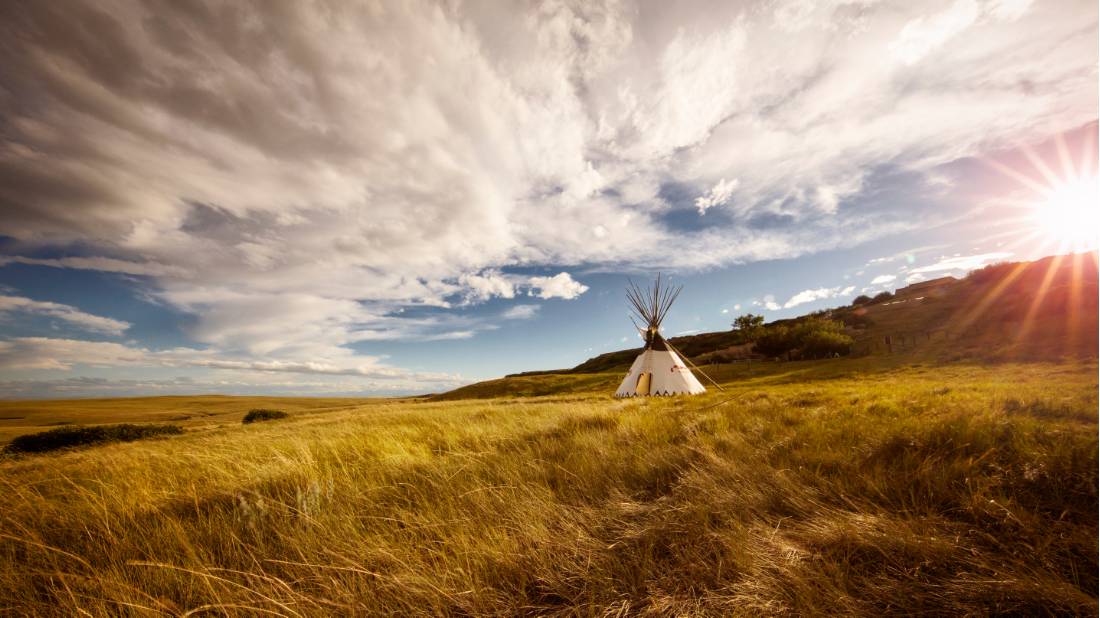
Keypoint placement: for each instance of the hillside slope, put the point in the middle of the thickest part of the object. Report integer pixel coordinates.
(1022, 310)
(1042, 310)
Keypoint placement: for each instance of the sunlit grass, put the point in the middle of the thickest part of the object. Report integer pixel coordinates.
(815, 488)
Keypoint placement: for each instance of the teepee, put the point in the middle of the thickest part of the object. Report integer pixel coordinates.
(658, 370)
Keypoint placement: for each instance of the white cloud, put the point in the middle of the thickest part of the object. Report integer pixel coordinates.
(295, 178)
(922, 35)
(520, 312)
(718, 195)
(963, 262)
(914, 278)
(808, 296)
(487, 285)
(72, 315)
(50, 353)
(561, 285)
(103, 264)
(63, 354)
(883, 279)
(768, 302)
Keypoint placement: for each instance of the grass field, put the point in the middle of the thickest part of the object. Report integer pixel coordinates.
(210, 411)
(804, 488)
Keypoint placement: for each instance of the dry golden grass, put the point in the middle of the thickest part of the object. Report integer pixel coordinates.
(22, 417)
(807, 489)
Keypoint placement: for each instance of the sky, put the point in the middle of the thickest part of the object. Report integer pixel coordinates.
(381, 198)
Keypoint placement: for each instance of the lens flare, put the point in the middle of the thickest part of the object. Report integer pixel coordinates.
(1069, 216)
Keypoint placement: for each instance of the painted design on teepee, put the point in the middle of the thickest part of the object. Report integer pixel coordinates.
(658, 370)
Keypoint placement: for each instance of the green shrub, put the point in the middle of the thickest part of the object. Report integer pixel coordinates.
(74, 437)
(823, 344)
(260, 414)
(776, 341)
(808, 338)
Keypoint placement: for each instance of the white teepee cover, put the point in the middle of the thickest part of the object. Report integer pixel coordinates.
(668, 375)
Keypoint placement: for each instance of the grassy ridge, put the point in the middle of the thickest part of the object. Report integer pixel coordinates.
(830, 488)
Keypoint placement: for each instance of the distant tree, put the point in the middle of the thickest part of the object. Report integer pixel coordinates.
(808, 338)
(824, 344)
(882, 297)
(749, 325)
(775, 341)
(862, 299)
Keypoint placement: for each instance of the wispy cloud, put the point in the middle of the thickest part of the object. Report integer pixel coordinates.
(768, 302)
(809, 296)
(520, 312)
(293, 179)
(66, 313)
(61, 354)
(883, 279)
(963, 262)
(103, 264)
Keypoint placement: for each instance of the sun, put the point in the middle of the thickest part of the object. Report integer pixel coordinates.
(1068, 215)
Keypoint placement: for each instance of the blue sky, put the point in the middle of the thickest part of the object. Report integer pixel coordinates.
(331, 199)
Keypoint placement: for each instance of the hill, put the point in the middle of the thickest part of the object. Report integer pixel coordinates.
(1044, 309)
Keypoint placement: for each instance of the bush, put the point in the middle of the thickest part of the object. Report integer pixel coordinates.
(776, 341)
(74, 437)
(862, 299)
(882, 297)
(823, 344)
(749, 326)
(260, 414)
(808, 338)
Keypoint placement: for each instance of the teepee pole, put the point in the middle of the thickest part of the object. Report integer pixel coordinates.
(693, 365)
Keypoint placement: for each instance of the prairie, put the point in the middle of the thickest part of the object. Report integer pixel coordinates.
(22, 417)
(854, 486)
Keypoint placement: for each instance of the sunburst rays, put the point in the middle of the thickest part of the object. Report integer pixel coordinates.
(1054, 211)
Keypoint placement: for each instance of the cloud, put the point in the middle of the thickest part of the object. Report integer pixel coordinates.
(963, 262)
(768, 302)
(487, 285)
(63, 354)
(520, 312)
(883, 279)
(808, 296)
(267, 384)
(718, 195)
(67, 313)
(914, 278)
(922, 35)
(50, 353)
(295, 177)
(103, 264)
(561, 285)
